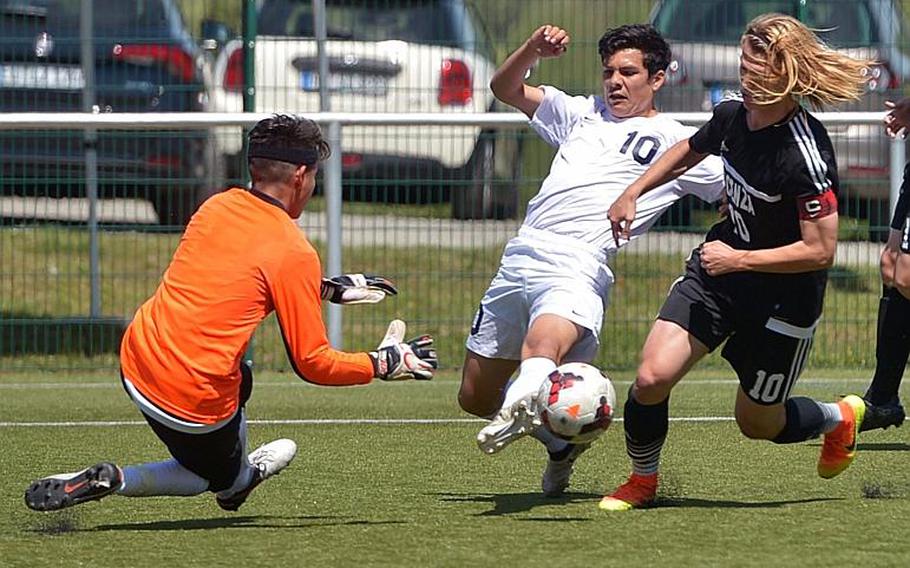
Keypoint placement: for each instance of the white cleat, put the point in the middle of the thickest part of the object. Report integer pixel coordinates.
(556, 476)
(512, 422)
(273, 457)
(267, 460)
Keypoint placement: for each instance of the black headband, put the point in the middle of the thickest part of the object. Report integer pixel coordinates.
(296, 156)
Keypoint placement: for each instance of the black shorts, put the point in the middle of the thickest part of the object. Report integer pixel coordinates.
(214, 456)
(901, 219)
(767, 320)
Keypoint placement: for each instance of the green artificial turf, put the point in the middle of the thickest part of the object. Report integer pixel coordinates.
(401, 493)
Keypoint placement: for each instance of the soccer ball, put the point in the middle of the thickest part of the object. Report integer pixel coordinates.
(576, 402)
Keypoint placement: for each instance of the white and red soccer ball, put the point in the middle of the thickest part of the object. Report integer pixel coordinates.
(576, 402)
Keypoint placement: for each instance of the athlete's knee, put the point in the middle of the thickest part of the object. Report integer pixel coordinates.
(757, 427)
(651, 385)
(544, 346)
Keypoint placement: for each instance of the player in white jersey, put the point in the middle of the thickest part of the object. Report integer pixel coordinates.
(546, 303)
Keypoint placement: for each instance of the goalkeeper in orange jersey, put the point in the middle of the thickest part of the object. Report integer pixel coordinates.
(241, 258)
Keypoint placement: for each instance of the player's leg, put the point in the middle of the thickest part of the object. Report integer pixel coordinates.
(551, 341)
(168, 477)
(483, 383)
(892, 346)
(669, 352)
(549, 338)
(493, 353)
(768, 359)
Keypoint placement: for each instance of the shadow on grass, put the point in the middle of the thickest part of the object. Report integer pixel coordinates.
(251, 521)
(883, 447)
(693, 503)
(877, 446)
(508, 503)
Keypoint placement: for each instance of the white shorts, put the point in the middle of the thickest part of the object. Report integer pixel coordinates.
(542, 273)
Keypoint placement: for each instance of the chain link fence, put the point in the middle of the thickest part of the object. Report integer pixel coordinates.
(90, 217)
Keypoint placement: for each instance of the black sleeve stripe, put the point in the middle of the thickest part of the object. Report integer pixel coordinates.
(818, 169)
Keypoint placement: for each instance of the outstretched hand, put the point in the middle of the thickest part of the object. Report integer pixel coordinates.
(549, 41)
(397, 360)
(349, 289)
(897, 121)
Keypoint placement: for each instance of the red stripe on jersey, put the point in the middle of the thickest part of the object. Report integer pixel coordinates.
(817, 206)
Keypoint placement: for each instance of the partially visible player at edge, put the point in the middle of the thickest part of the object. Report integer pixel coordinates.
(758, 281)
(892, 344)
(545, 305)
(241, 258)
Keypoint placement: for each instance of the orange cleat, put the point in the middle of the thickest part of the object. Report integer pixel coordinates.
(839, 448)
(637, 493)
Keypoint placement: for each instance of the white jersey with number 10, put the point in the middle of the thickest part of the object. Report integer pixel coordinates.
(600, 155)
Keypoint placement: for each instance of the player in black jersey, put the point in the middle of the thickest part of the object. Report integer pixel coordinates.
(892, 347)
(757, 283)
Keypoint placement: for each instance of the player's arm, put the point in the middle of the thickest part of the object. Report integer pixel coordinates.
(888, 261)
(295, 291)
(814, 251)
(508, 82)
(676, 161)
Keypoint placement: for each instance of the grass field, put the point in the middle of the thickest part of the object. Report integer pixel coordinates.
(398, 492)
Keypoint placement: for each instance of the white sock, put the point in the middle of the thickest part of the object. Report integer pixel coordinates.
(531, 374)
(833, 416)
(160, 478)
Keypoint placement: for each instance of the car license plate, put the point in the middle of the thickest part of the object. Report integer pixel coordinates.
(57, 77)
(356, 83)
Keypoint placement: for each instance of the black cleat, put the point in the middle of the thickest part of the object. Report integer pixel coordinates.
(883, 415)
(62, 491)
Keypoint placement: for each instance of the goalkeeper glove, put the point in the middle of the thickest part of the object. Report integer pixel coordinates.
(396, 360)
(357, 289)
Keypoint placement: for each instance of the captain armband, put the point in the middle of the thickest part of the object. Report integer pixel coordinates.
(817, 206)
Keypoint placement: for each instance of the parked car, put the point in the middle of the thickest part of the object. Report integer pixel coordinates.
(145, 61)
(704, 36)
(427, 56)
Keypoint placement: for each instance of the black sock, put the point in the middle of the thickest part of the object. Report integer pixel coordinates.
(646, 428)
(892, 346)
(805, 421)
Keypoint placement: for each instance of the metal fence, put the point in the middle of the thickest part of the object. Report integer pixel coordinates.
(91, 206)
(74, 269)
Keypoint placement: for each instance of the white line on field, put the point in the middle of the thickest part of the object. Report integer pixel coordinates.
(317, 422)
(423, 384)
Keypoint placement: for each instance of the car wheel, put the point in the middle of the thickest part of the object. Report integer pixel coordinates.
(484, 192)
(176, 204)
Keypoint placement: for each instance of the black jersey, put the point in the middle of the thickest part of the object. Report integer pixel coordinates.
(770, 174)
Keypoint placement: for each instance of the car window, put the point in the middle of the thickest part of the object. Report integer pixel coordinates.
(843, 23)
(109, 15)
(417, 21)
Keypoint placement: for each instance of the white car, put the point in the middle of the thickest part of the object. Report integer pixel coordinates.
(407, 56)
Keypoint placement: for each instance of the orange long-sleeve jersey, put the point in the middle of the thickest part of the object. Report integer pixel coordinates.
(241, 257)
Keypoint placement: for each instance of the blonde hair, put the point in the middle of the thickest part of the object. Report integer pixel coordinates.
(797, 63)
